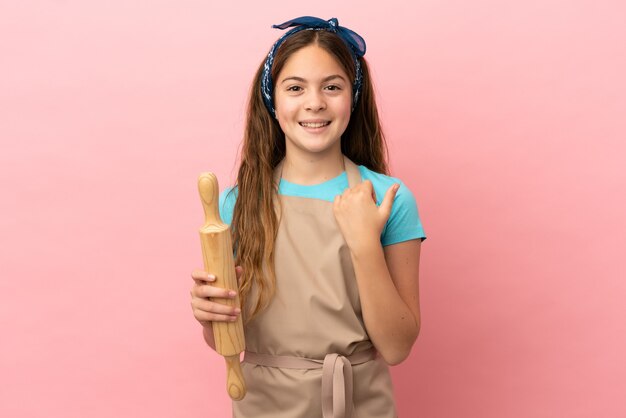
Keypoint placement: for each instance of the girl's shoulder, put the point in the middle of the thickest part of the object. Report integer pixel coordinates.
(404, 223)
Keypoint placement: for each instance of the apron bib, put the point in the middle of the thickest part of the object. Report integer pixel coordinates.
(308, 354)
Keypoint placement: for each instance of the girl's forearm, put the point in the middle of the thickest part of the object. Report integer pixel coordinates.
(391, 325)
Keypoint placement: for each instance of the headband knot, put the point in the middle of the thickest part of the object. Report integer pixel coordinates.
(355, 43)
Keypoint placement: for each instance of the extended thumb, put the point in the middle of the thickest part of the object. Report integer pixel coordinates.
(387, 202)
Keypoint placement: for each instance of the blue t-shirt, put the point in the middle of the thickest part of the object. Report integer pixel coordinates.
(403, 224)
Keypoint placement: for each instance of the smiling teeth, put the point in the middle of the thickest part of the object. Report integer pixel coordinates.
(314, 125)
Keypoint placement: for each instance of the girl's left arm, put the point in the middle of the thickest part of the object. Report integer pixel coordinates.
(387, 277)
(388, 286)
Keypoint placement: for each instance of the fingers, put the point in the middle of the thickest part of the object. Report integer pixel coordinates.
(336, 204)
(208, 291)
(368, 185)
(387, 202)
(215, 308)
(203, 298)
(369, 188)
(208, 317)
(206, 310)
(201, 276)
(364, 186)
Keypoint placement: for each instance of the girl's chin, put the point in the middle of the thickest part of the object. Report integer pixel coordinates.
(318, 148)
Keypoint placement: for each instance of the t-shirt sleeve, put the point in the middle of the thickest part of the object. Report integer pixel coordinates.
(227, 204)
(404, 223)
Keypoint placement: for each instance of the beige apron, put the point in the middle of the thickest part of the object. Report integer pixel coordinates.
(308, 354)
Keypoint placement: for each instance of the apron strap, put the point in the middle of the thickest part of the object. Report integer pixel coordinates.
(337, 380)
(352, 170)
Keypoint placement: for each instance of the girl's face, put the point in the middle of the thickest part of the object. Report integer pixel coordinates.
(313, 98)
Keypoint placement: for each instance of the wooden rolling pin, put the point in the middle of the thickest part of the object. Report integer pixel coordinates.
(217, 252)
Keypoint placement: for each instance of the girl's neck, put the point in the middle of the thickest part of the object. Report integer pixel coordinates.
(305, 169)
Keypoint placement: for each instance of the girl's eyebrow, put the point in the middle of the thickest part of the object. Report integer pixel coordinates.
(302, 80)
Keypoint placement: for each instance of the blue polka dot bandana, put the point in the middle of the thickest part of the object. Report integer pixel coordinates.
(356, 45)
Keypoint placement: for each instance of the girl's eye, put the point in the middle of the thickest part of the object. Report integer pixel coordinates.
(293, 88)
(333, 87)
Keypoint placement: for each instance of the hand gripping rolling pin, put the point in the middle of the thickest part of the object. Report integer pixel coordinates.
(217, 252)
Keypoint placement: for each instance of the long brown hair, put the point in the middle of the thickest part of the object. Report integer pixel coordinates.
(255, 222)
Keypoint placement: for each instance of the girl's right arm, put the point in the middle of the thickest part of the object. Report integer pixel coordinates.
(204, 309)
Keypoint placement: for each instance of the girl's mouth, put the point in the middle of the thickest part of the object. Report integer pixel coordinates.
(314, 125)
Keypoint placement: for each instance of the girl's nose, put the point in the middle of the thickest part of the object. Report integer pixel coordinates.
(315, 101)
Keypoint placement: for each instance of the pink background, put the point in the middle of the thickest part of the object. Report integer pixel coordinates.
(506, 119)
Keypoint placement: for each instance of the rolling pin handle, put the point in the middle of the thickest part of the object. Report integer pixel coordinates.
(235, 384)
(210, 196)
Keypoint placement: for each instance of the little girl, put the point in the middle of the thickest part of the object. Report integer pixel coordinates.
(327, 244)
